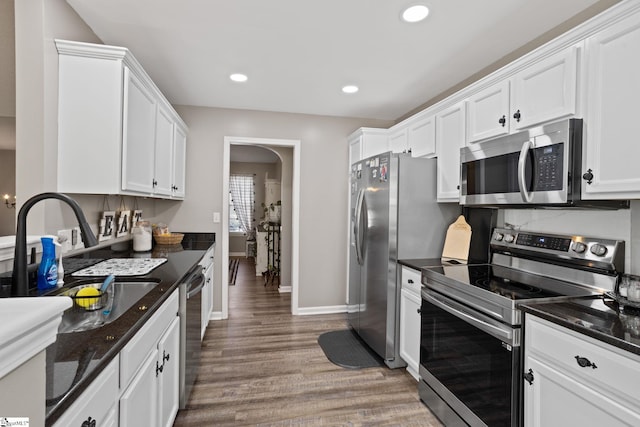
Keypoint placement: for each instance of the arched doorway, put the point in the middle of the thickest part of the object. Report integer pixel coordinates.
(289, 153)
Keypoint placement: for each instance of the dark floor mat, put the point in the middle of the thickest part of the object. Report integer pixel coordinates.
(346, 349)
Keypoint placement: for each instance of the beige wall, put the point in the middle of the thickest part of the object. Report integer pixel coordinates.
(7, 61)
(7, 186)
(324, 185)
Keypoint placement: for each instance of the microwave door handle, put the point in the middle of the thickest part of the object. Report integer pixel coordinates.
(522, 178)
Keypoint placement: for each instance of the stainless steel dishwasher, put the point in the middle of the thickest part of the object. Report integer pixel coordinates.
(190, 321)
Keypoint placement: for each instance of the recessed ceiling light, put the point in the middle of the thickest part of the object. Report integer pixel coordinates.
(350, 89)
(238, 77)
(415, 13)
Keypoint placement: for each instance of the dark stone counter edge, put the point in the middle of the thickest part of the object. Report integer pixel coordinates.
(540, 310)
(76, 391)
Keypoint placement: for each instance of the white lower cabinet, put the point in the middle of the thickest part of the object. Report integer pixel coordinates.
(98, 403)
(410, 302)
(574, 380)
(207, 290)
(149, 370)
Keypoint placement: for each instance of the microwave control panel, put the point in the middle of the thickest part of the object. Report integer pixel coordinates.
(549, 161)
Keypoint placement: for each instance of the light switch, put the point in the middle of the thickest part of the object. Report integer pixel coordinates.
(216, 217)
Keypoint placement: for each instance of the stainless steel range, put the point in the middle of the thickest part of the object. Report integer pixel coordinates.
(470, 328)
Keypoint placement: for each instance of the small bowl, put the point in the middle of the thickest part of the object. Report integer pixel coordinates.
(168, 239)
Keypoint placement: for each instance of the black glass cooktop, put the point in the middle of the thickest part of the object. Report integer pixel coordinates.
(510, 283)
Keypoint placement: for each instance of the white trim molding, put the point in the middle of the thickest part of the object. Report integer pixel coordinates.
(295, 144)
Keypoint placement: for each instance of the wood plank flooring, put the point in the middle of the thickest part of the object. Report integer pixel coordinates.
(264, 367)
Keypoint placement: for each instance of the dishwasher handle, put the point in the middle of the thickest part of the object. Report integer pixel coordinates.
(195, 284)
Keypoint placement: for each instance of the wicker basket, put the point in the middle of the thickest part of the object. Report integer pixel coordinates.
(168, 239)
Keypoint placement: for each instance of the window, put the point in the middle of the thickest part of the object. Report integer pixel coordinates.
(241, 203)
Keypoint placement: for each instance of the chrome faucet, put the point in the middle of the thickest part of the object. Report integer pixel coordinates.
(20, 283)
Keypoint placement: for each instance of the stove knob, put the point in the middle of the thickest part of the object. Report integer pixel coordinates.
(498, 237)
(579, 247)
(509, 238)
(599, 250)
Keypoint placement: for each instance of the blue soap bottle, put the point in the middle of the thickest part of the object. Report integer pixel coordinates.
(48, 270)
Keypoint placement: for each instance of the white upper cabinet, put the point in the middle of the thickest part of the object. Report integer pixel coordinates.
(139, 132)
(415, 135)
(117, 134)
(610, 154)
(450, 131)
(367, 142)
(488, 112)
(542, 92)
(399, 139)
(545, 91)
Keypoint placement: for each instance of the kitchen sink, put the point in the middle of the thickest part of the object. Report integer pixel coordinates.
(122, 295)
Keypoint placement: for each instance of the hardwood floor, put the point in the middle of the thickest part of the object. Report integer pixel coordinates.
(264, 367)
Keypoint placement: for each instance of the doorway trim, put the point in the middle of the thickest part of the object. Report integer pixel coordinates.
(295, 213)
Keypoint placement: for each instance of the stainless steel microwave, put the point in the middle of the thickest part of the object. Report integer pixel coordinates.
(537, 167)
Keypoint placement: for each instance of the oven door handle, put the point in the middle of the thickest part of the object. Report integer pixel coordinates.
(461, 313)
(522, 169)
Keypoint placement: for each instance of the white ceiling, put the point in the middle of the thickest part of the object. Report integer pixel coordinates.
(299, 53)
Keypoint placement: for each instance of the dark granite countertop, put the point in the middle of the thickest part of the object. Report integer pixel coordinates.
(76, 358)
(420, 263)
(598, 317)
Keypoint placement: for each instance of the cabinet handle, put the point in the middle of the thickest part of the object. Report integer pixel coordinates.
(419, 311)
(165, 357)
(410, 281)
(159, 368)
(503, 120)
(517, 116)
(528, 377)
(154, 182)
(588, 176)
(585, 363)
(90, 422)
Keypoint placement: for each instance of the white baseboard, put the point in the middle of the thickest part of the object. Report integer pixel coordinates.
(215, 315)
(307, 311)
(244, 254)
(284, 289)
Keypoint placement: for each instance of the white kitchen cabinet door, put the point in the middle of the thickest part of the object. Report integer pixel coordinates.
(163, 150)
(410, 331)
(368, 142)
(610, 153)
(573, 379)
(555, 399)
(138, 135)
(399, 140)
(545, 91)
(179, 162)
(169, 377)
(410, 302)
(421, 134)
(207, 299)
(139, 402)
(450, 131)
(488, 113)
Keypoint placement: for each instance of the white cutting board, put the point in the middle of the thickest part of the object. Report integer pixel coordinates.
(457, 242)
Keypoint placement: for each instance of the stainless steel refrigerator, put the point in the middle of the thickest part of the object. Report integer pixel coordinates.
(394, 215)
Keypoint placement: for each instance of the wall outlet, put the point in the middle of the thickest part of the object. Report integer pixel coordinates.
(76, 238)
(216, 217)
(65, 237)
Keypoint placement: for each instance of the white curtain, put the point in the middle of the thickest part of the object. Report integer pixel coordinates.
(243, 198)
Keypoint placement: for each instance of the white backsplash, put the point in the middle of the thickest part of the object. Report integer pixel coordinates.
(623, 224)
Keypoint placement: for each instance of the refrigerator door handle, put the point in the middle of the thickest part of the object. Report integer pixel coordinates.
(357, 230)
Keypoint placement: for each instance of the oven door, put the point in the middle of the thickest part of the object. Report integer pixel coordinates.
(469, 364)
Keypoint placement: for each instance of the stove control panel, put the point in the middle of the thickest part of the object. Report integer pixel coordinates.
(579, 248)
